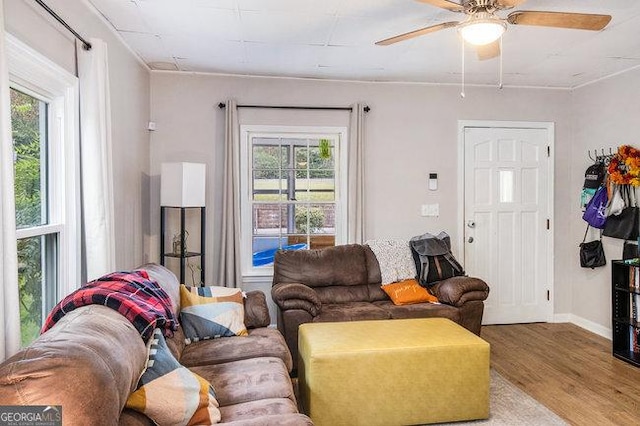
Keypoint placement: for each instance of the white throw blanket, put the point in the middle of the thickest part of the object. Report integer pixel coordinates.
(394, 257)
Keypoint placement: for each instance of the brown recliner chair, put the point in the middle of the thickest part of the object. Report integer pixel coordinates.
(342, 283)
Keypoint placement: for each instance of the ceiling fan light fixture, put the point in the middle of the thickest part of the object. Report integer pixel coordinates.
(482, 28)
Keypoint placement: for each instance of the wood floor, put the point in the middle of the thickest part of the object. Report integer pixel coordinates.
(569, 370)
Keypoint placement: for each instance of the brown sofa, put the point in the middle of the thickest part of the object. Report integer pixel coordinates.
(91, 360)
(342, 283)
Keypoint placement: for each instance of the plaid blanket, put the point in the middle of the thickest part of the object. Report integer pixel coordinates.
(133, 294)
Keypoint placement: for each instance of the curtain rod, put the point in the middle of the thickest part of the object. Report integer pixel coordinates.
(85, 43)
(223, 105)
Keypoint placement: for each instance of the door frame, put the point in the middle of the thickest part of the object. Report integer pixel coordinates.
(550, 129)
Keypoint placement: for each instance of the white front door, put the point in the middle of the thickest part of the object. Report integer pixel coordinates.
(507, 212)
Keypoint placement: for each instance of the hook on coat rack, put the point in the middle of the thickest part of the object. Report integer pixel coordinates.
(601, 157)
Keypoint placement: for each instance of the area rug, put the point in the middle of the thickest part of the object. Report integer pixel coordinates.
(510, 406)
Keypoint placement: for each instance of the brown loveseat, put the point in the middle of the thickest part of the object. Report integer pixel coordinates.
(91, 360)
(342, 283)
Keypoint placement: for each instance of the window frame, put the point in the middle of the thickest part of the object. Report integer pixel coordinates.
(35, 75)
(247, 133)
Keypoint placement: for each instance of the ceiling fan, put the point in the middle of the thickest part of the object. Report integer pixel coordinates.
(483, 27)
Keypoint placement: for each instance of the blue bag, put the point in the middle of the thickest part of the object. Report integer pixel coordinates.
(595, 213)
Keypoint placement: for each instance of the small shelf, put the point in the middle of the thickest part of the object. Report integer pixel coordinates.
(624, 312)
(626, 289)
(628, 356)
(187, 254)
(627, 321)
(164, 211)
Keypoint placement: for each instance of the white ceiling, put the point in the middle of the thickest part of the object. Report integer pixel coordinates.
(334, 39)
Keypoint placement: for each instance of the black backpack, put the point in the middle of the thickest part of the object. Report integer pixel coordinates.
(433, 258)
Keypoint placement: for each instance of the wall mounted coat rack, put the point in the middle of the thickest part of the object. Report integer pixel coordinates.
(601, 157)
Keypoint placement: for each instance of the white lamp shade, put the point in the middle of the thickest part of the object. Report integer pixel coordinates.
(482, 33)
(482, 28)
(182, 185)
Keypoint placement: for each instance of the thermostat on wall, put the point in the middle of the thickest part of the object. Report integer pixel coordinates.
(433, 181)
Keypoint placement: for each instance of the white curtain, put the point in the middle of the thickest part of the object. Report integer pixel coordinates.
(355, 172)
(229, 270)
(96, 163)
(9, 294)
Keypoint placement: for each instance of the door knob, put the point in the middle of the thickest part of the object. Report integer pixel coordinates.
(470, 239)
(471, 224)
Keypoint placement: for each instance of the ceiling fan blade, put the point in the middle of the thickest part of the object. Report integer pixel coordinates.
(508, 4)
(416, 33)
(578, 21)
(488, 51)
(445, 4)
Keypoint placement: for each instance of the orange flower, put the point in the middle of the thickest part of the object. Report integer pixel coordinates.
(613, 165)
(632, 162)
(624, 167)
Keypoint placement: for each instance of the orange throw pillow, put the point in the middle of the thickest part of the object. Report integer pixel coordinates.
(408, 292)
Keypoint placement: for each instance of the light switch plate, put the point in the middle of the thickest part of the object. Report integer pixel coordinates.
(431, 210)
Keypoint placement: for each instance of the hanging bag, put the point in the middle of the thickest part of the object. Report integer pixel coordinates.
(616, 203)
(433, 258)
(595, 213)
(592, 253)
(625, 225)
(630, 250)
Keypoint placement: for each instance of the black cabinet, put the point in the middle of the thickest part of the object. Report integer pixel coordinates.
(179, 240)
(625, 299)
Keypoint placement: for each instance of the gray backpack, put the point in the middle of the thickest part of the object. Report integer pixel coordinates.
(433, 258)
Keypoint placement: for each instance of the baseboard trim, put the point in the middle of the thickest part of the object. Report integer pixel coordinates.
(561, 318)
(588, 325)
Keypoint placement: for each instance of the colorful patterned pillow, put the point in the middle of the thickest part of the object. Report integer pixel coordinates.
(408, 292)
(210, 312)
(170, 394)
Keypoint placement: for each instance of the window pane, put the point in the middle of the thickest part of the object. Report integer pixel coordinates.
(270, 222)
(321, 157)
(322, 185)
(301, 156)
(323, 217)
(285, 156)
(301, 185)
(267, 156)
(301, 175)
(269, 188)
(506, 186)
(28, 122)
(314, 241)
(37, 261)
(267, 219)
(314, 219)
(264, 249)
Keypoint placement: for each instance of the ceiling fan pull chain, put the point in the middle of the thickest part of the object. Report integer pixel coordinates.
(462, 91)
(501, 55)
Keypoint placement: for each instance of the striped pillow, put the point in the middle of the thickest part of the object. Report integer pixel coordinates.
(210, 312)
(170, 394)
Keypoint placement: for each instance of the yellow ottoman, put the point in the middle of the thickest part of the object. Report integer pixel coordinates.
(392, 372)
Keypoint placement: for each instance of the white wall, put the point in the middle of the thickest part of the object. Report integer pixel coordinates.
(605, 114)
(129, 108)
(410, 131)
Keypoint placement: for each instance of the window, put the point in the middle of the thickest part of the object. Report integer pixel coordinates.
(36, 240)
(291, 192)
(44, 146)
